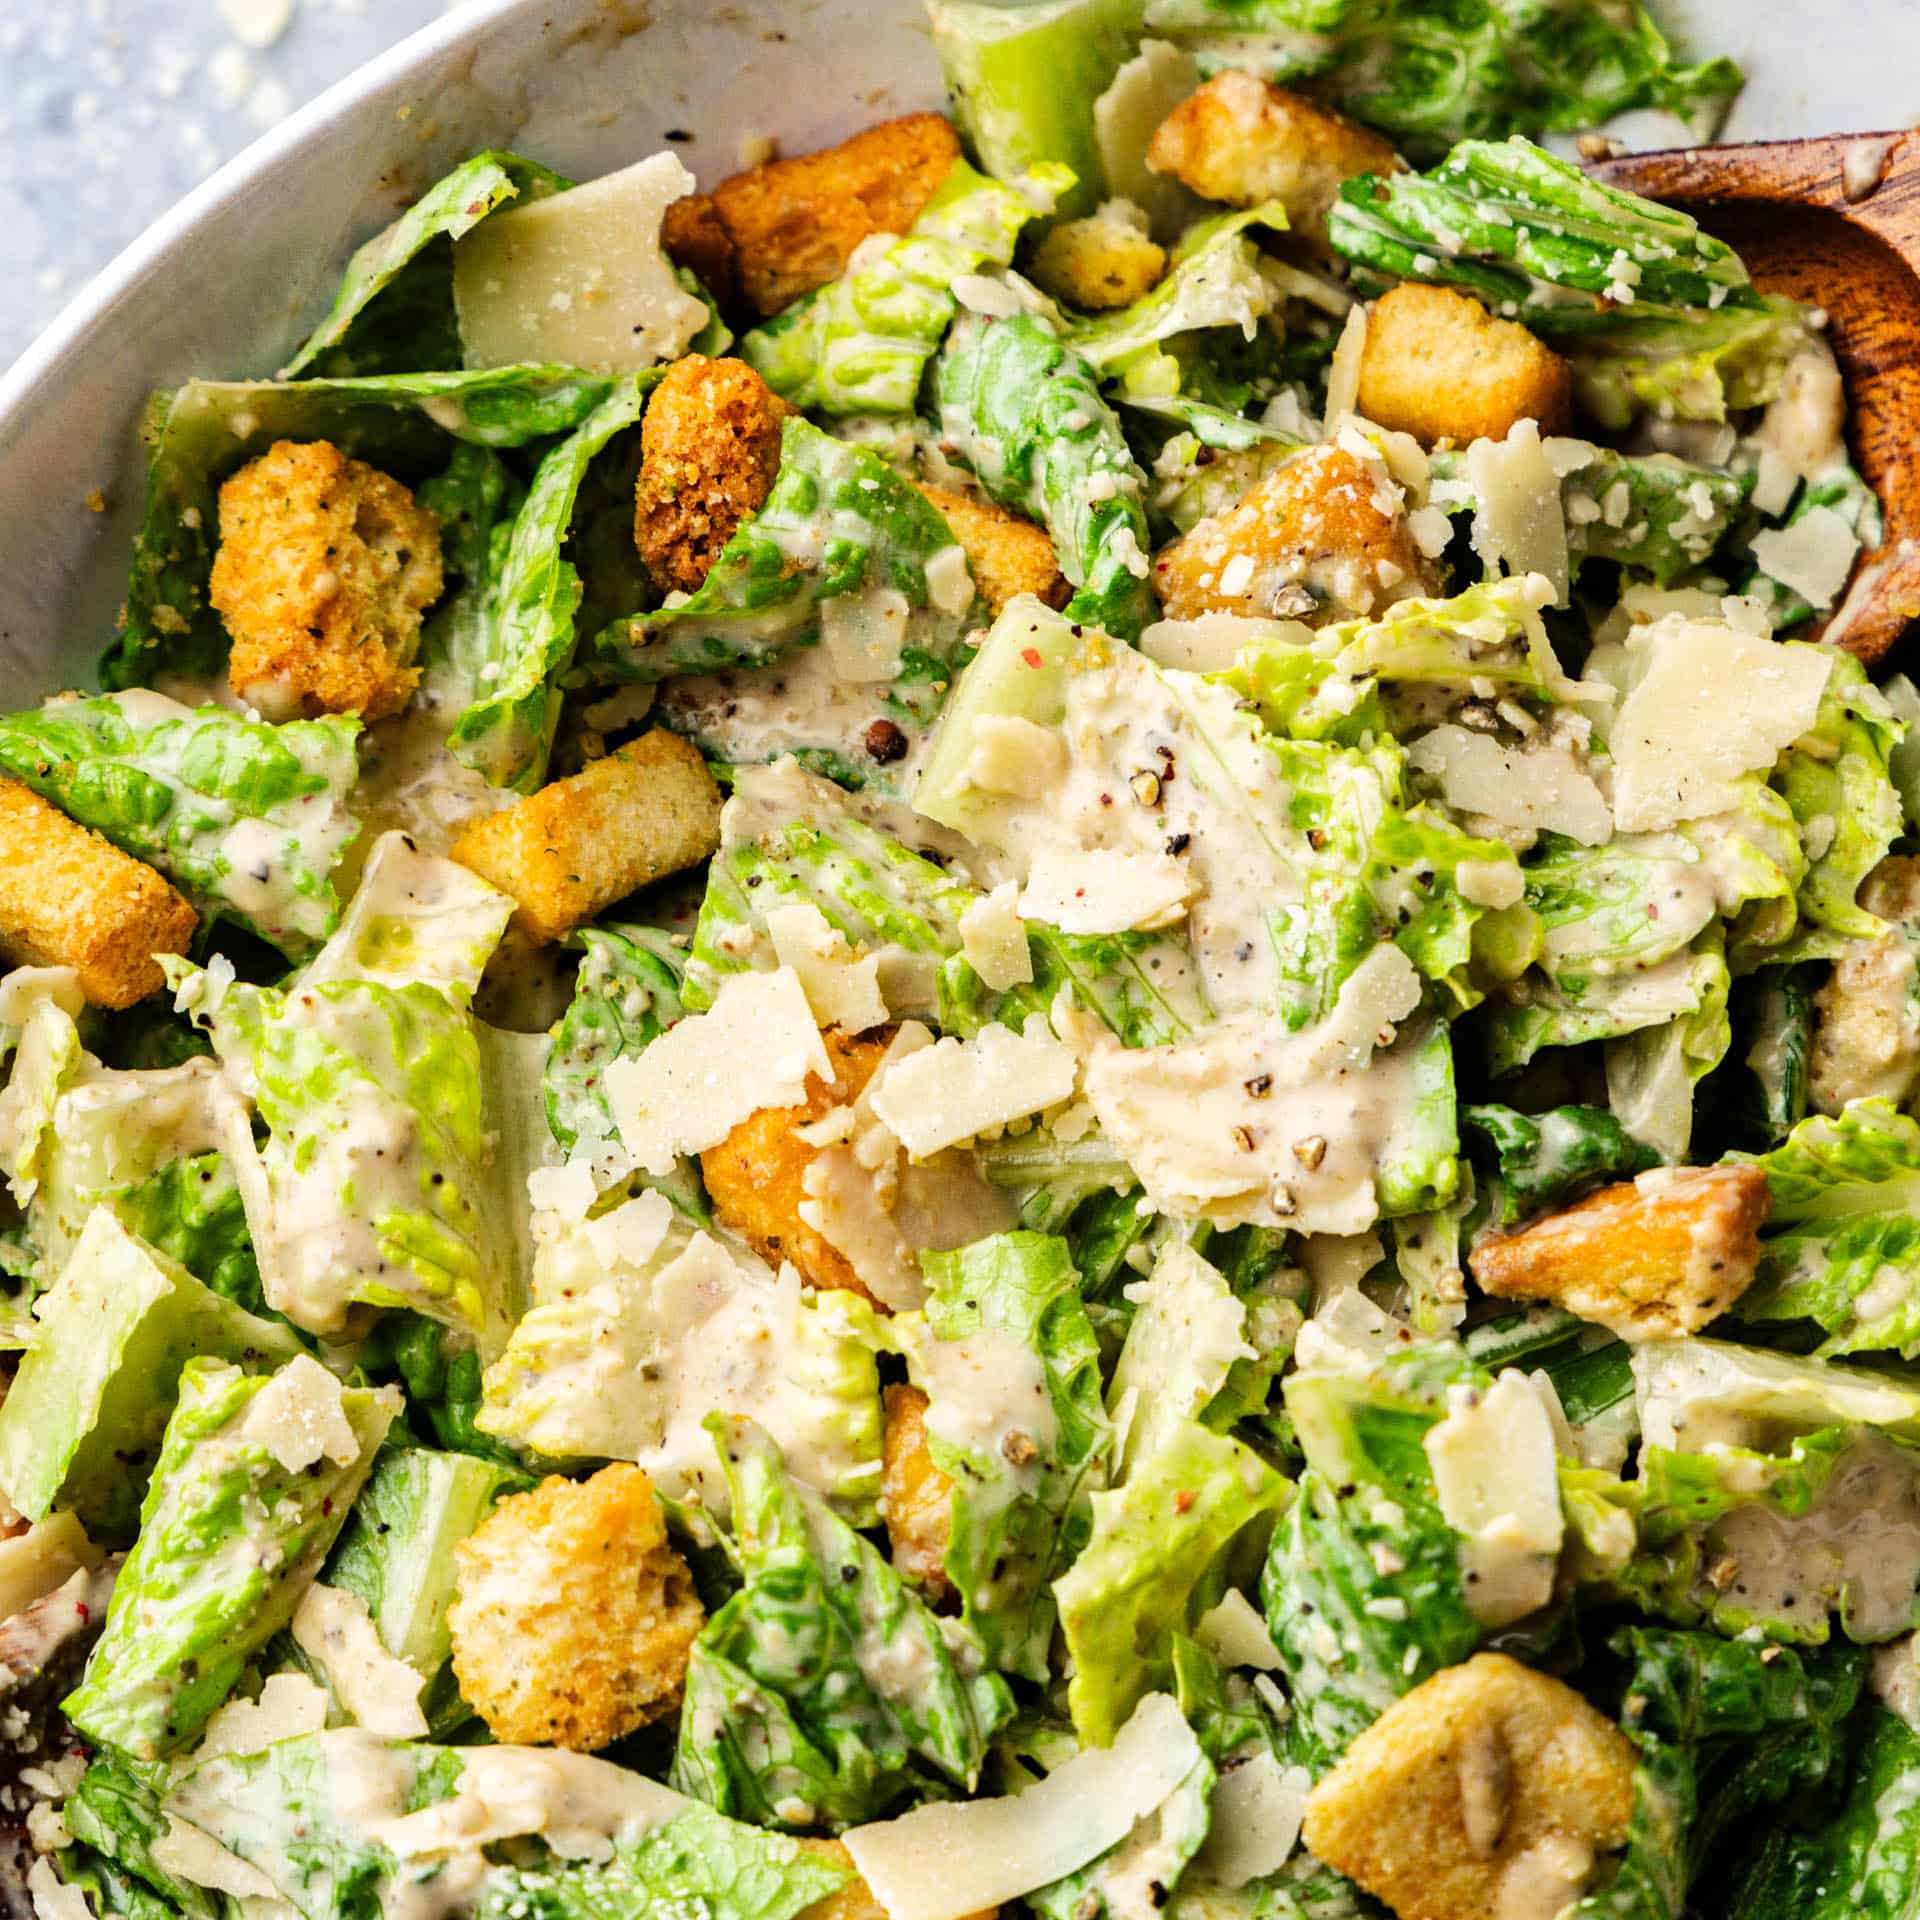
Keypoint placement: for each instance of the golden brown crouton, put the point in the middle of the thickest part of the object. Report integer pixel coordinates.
(695, 237)
(1439, 366)
(325, 568)
(1109, 259)
(574, 1615)
(916, 1498)
(855, 1900)
(1005, 554)
(1318, 539)
(1651, 1258)
(1866, 1033)
(709, 449)
(756, 1176)
(1487, 1782)
(568, 852)
(795, 223)
(69, 898)
(1242, 140)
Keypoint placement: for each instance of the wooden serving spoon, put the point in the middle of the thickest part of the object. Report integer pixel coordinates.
(1834, 222)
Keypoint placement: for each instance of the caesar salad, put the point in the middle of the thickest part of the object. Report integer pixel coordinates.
(1023, 1018)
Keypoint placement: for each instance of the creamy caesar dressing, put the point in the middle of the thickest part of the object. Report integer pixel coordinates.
(334, 1630)
(753, 714)
(1856, 1548)
(989, 1398)
(410, 783)
(1277, 1128)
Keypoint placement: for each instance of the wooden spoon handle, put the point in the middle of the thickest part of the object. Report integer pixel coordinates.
(1872, 179)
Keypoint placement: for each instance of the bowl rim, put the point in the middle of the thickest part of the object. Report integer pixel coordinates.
(94, 304)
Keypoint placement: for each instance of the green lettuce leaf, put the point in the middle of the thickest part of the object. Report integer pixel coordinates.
(1546, 1159)
(201, 432)
(1024, 410)
(230, 1535)
(861, 343)
(1135, 1586)
(1007, 1310)
(247, 818)
(824, 1691)
(1485, 69)
(507, 731)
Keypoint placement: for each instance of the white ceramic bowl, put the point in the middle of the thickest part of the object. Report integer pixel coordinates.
(223, 285)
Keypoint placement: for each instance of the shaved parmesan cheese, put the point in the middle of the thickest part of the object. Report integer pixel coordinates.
(994, 939)
(300, 1419)
(1343, 375)
(197, 1858)
(863, 633)
(1812, 555)
(753, 1048)
(949, 583)
(1016, 756)
(1212, 642)
(951, 1858)
(1105, 890)
(1491, 883)
(1540, 787)
(42, 1560)
(578, 279)
(842, 991)
(289, 1705)
(1518, 523)
(956, 1089)
(1236, 1635)
(1497, 1476)
(1144, 91)
(334, 1630)
(1256, 1813)
(568, 1190)
(1712, 705)
(52, 1898)
(571, 1799)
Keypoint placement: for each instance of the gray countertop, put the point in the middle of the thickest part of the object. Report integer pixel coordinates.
(110, 110)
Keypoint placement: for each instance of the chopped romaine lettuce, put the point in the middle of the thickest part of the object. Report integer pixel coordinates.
(824, 1690)
(252, 1486)
(1012, 1372)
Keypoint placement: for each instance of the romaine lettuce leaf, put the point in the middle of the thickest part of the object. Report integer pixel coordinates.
(252, 1486)
(824, 1690)
(1024, 410)
(83, 1420)
(1546, 1159)
(394, 310)
(1487, 69)
(335, 1857)
(861, 343)
(1012, 1372)
(507, 731)
(247, 818)
(202, 431)
(1155, 1540)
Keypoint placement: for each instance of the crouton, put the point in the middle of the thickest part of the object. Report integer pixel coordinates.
(756, 1176)
(568, 852)
(1439, 366)
(795, 223)
(1490, 1788)
(1109, 259)
(1318, 539)
(1005, 554)
(916, 1498)
(695, 237)
(325, 569)
(1244, 141)
(854, 1901)
(1652, 1258)
(69, 898)
(1866, 1032)
(709, 450)
(574, 1615)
